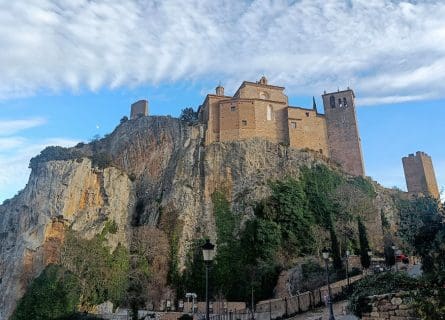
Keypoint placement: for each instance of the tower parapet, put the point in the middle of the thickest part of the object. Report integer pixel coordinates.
(419, 174)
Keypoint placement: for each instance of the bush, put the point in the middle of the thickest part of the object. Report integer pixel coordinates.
(55, 153)
(53, 294)
(101, 160)
(381, 283)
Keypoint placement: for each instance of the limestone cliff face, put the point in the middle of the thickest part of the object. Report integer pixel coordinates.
(162, 175)
(32, 224)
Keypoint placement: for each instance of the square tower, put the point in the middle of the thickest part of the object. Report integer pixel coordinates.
(139, 109)
(419, 174)
(342, 131)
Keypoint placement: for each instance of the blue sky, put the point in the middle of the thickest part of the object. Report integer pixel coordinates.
(70, 70)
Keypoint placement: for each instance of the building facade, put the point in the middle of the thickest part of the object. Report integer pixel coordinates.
(259, 109)
(419, 175)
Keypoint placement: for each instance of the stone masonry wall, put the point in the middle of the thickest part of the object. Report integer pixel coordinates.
(307, 129)
(391, 306)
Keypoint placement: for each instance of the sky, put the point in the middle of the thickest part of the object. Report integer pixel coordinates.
(69, 70)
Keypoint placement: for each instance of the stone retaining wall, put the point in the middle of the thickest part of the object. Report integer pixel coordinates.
(390, 306)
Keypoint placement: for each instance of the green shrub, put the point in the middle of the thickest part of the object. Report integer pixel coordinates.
(53, 294)
(382, 283)
(55, 153)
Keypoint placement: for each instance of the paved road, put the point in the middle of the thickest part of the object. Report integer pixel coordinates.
(322, 313)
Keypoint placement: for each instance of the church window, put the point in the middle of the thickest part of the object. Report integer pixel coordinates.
(269, 112)
(244, 122)
(232, 108)
(264, 95)
(293, 124)
(332, 101)
(345, 103)
(339, 103)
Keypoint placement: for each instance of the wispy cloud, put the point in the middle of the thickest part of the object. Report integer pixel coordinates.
(10, 127)
(388, 51)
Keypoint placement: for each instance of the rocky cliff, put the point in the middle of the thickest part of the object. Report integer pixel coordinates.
(151, 171)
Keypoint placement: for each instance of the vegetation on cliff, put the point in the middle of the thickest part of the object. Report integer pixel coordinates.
(55, 293)
(299, 218)
(423, 230)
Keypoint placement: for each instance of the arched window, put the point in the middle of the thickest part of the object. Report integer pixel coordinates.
(345, 103)
(339, 102)
(332, 101)
(264, 95)
(269, 112)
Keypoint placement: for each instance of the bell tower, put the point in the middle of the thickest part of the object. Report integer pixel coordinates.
(342, 130)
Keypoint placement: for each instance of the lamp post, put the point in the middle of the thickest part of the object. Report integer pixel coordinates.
(394, 248)
(348, 253)
(208, 253)
(370, 260)
(325, 253)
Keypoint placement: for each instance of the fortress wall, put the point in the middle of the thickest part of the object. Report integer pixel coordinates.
(307, 130)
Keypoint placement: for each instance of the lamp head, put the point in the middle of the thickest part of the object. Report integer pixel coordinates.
(208, 251)
(325, 253)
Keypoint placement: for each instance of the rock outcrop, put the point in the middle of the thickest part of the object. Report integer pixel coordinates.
(158, 172)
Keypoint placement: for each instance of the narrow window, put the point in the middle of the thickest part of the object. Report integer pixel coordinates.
(307, 114)
(293, 124)
(345, 103)
(244, 122)
(269, 112)
(332, 101)
(232, 108)
(339, 102)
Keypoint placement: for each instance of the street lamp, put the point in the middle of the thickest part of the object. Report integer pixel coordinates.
(394, 248)
(348, 253)
(370, 260)
(325, 253)
(208, 253)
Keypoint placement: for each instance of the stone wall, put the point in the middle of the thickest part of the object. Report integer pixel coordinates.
(282, 307)
(307, 129)
(391, 306)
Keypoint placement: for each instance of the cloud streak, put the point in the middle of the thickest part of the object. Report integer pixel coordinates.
(10, 127)
(389, 51)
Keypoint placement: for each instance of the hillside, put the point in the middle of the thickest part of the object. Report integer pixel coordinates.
(150, 190)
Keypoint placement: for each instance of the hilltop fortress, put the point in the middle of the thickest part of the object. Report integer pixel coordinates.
(259, 109)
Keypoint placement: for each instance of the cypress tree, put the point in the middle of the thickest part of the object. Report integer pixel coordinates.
(364, 245)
